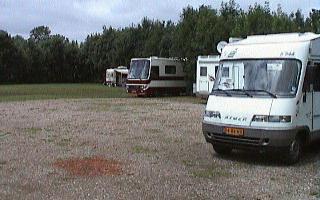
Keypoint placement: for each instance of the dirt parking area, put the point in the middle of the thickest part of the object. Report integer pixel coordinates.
(133, 149)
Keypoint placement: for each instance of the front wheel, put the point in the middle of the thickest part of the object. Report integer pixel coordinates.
(223, 150)
(294, 151)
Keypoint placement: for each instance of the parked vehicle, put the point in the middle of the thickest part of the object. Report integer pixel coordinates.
(110, 78)
(207, 68)
(117, 76)
(156, 76)
(266, 95)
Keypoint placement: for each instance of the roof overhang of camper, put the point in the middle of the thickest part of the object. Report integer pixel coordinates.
(279, 46)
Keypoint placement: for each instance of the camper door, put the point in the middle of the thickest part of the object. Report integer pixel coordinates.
(312, 95)
(203, 79)
(212, 72)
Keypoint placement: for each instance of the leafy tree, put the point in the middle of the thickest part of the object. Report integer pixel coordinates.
(40, 33)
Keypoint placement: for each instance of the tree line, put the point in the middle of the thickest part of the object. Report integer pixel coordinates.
(48, 58)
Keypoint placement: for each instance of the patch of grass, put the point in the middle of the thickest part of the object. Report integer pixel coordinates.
(314, 193)
(143, 150)
(316, 190)
(33, 131)
(186, 99)
(211, 172)
(2, 162)
(169, 140)
(64, 142)
(273, 178)
(153, 131)
(4, 134)
(118, 109)
(25, 92)
(99, 108)
(50, 138)
(188, 163)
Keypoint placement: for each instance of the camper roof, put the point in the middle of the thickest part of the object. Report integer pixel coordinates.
(155, 58)
(277, 38)
(299, 46)
(209, 58)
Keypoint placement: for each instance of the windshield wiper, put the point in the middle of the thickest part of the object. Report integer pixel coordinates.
(224, 91)
(240, 90)
(265, 91)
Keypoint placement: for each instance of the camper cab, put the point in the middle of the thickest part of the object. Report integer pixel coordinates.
(266, 95)
(155, 76)
(117, 76)
(207, 68)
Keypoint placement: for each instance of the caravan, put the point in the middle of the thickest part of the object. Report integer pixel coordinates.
(117, 76)
(266, 95)
(207, 67)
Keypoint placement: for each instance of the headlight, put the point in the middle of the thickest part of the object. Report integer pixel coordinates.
(144, 87)
(273, 118)
(214, 114)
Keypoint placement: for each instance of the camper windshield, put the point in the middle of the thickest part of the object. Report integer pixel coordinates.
(139, 69)
(268, 78)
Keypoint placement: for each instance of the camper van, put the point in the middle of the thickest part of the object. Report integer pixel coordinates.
(207, 68)
(117, 76)
(266, 95)
(156, 76)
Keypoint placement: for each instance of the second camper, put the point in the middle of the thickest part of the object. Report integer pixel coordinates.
(207, 67)
(116, 76)
(156, 76)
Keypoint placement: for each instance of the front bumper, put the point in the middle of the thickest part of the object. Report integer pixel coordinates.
(133, 89)
(253, 138)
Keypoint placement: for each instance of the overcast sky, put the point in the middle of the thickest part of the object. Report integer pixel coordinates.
(78, 18)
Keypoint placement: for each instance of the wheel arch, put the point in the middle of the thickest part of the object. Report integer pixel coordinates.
(305, 135)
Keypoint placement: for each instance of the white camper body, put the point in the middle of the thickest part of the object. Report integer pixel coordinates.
(266, 95)
(207, 67)
(117, 76)
(110, 77)
(156, 76)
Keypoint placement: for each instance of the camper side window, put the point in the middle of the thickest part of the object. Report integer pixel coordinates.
(316, 73)
(154, 72)
(225, 72)
(312, 78)
(170, 69)
(203, 71)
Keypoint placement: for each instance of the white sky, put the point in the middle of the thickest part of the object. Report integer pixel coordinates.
(78, 18)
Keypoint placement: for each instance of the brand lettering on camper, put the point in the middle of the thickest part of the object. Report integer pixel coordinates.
(287, 53)
(240, 119)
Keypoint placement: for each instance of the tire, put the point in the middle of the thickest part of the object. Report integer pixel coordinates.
(223, 150)
(294, 151)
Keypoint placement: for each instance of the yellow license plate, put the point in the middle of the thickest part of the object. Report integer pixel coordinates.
(238, 132)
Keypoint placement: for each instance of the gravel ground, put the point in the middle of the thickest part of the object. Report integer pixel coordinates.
(158, 142)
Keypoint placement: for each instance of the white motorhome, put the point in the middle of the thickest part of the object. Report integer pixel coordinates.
(117, 76)
(156, 76)
(207, 67)
(266, 95)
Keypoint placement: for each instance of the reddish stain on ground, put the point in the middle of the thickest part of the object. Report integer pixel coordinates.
(95, 166)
